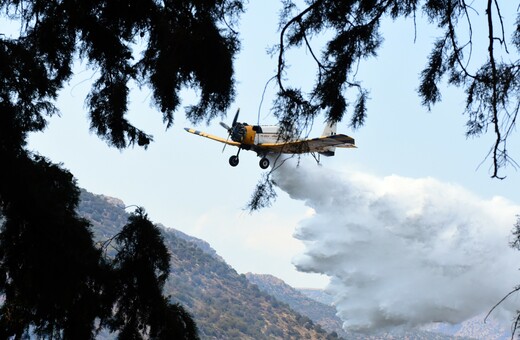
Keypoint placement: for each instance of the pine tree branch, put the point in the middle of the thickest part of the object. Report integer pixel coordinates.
(494, 96)
(281, 62)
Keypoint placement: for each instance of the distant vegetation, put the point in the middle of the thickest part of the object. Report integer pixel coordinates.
(225, 305)
(324, 315)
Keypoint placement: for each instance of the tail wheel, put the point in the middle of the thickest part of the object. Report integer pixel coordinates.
(264, 163)
(233, 160)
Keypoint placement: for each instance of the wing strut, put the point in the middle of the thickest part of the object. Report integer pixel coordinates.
(316, 156)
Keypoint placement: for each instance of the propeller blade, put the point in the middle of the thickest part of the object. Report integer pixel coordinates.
(225, 126)
(224, 148)
(229, 129)
(236, 118)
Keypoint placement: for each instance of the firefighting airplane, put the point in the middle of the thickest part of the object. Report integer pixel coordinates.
(266, 139)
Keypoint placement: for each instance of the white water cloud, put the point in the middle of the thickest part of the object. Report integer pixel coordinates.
(401, 251)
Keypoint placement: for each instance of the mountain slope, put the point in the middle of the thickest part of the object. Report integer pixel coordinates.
(225, 305)
(324, 315)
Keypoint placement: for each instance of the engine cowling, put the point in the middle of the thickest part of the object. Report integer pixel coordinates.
(238, 133)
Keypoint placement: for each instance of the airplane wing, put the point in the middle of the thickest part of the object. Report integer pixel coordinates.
(319, 144)
(207, 135)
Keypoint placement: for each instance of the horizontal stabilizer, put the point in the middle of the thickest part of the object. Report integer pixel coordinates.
(328, 153)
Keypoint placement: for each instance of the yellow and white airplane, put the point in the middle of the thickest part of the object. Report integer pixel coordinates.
(266, 139)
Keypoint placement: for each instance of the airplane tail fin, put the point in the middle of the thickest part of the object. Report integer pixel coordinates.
(329, 130)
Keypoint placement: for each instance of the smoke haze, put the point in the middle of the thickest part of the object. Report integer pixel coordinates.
(404, 252)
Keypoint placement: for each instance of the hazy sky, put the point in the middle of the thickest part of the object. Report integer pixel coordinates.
(185, 182)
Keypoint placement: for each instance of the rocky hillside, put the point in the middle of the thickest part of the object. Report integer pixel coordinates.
(225, 305)
(322, 314)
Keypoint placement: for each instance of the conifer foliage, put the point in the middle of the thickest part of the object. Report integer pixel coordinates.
(54, 281)
(340, 35)
(141, 267)
(483, 62)
(50, 269)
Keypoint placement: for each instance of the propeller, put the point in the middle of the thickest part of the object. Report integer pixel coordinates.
(230, 128)
(227, 127)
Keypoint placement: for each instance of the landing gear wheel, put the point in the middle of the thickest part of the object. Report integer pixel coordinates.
(264, 163)
(233, 160)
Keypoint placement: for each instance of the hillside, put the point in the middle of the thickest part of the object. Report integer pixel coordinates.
(317, 295)
(224, 304)
(322, 314)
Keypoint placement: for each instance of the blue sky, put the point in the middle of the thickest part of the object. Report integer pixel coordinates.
(185, 182)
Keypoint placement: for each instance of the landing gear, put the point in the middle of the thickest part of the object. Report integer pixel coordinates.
(264, 163)
(233, 160)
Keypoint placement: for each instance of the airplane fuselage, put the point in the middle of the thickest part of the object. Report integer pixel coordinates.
(258, 134)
